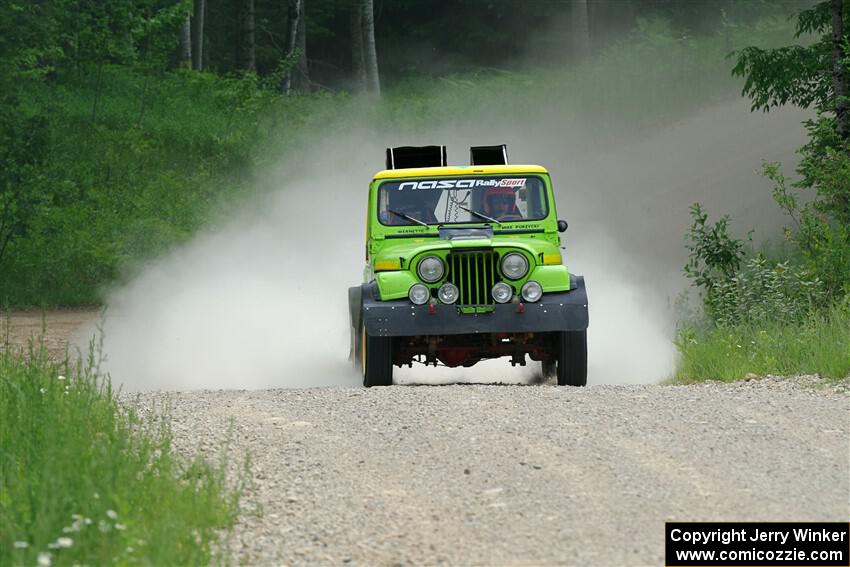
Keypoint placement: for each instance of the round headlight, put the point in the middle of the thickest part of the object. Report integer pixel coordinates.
(430, 269)
(532, 291)
(448, 293)
(419, 294)
(502, 292)
(514, 266)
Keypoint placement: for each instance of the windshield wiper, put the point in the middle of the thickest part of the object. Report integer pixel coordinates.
(479, 215)
(408, 217)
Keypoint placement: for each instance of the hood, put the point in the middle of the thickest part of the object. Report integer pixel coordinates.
(467, 238)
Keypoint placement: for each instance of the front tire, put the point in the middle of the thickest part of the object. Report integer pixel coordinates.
(377, 360)
(572, 358)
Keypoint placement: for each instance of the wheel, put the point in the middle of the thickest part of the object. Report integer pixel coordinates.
(355, 308)
(377, 357)
(572, 358)
(356, 355)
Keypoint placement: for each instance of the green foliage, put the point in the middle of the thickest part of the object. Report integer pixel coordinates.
(714, 256)
(764, 291)
(785, 75)
(48, 37)
(805, 76)
(23, 190)
(757, 291)
(819, 343)
(760, 316)
(122, 167)
(780, 317)
(822, 226)
(796, 74)
(130, 159)
(85, 480)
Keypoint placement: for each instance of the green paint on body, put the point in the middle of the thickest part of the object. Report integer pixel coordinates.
(394, 252)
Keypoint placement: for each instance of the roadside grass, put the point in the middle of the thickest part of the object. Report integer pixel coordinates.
(818, 345)
(85, 481)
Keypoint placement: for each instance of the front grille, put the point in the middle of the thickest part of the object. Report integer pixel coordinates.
(474, 274)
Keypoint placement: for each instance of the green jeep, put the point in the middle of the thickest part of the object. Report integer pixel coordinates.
(464, 264)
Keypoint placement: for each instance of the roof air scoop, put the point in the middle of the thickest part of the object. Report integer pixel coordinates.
(488, 155)
(405, 157)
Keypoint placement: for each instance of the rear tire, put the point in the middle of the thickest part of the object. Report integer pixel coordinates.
(572, 358)
(356, 356)
(355, 308)
(377, 360)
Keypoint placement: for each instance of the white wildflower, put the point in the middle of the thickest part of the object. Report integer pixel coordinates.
(44, 559)
(42, 390)
(87, 521)
(112, 514)
(64, 542)
(60, 377)
(130, 549)
(120, 527)
(21, 545)
(103, 526)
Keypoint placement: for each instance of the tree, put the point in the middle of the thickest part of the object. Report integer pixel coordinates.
(358, 63)
(184, 50)
(839, 72)
(806, 76)
(298, 76)
(373, 81)
(247, 42)
(814, 75)
(198, 35)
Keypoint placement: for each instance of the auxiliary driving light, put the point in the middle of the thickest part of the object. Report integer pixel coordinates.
(532, 291)
(430, 269)
(419, 294)
(514, 266)
(448, 293)
(502, 292)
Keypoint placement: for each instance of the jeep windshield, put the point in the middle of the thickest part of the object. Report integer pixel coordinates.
(498, 199)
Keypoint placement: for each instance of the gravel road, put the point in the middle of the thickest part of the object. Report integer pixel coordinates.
(508, 475)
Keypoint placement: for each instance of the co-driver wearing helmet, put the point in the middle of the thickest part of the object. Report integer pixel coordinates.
(500, 203)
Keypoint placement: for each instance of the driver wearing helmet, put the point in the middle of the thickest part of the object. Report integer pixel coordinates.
(411, 204)
(500, 203)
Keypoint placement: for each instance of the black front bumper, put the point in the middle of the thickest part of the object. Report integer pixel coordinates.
(564, 311)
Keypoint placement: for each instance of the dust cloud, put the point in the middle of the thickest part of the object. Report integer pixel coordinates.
(260, 302)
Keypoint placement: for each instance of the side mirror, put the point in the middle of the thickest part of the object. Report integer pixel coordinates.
(562, 225)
